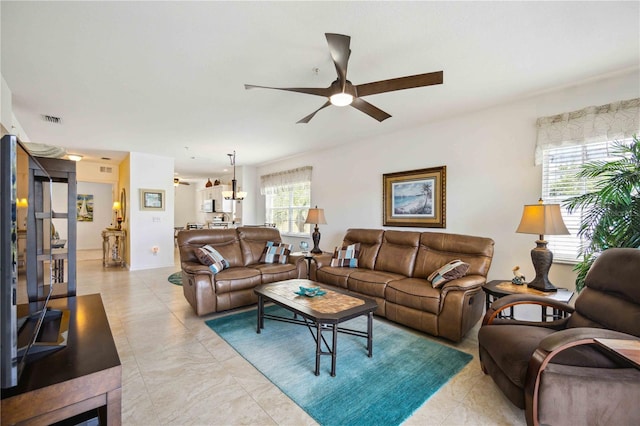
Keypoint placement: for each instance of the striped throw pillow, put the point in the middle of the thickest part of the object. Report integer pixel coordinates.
(275, 253)
(210, 257)
(447, 272)
(346, 256)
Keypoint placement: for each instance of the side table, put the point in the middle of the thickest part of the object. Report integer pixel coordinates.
(626, 349)
(309, 257)
(113, 247)
(84, 377)
(499, 288)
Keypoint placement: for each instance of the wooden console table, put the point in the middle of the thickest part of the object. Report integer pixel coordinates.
(113, 247)
(84, 376)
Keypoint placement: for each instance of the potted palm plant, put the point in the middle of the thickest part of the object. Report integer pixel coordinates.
(612, 209)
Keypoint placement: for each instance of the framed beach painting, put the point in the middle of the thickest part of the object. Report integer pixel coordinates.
(415, 198)
(84, 208)
(151, 199)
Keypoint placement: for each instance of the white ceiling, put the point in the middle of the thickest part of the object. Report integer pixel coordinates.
(167, 77)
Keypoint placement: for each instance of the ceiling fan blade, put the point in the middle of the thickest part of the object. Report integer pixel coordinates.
(367, 108)
(310, 116)
(318, 91)
(177, 181)
(340, 52)
(401, 83)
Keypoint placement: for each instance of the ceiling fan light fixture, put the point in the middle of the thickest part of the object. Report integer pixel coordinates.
(341, 99)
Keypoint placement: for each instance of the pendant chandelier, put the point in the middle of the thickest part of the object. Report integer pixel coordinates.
(234, 194)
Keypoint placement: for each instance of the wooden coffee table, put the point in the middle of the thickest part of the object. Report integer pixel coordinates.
(318, 313)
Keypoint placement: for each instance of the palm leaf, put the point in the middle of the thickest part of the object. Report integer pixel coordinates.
(611, 212)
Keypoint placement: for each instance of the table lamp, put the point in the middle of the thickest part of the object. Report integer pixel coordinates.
(116, 208)
(316, 216)
(542, 219)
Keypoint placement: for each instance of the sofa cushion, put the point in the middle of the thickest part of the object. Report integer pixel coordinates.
(210, 257)
(334, 275)
(225, 241)
(371, 283)
(415, 293)
(438, 248)
(370, 241)
(513, 358)
(253, 240)
(236, 279)
(346, 256)
(398, 252)
(275, 253)
(447, 272)
(272, 272)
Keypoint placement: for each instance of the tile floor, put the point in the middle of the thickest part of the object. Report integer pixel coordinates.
(176, 371)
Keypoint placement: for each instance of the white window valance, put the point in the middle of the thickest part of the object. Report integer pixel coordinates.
(618, 120)
(274, 183)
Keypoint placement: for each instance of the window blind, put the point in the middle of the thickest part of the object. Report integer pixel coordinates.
(559, 182)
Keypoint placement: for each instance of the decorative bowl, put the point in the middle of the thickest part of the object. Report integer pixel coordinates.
(310, 291)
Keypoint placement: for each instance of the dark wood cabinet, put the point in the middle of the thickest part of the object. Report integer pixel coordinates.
(85, 376)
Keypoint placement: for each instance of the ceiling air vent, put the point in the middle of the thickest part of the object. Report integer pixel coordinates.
(105, 169)
(52, 119)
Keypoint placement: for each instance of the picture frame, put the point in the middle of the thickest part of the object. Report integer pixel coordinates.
(84, 208)
(415, 198)
(152, 199)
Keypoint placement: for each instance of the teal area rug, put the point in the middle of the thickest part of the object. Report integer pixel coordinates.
(175, 278)
(405, 370)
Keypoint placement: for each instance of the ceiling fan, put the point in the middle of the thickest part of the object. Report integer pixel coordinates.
(177, 182)
(342, 92)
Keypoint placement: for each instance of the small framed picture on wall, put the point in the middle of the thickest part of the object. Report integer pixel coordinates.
(152, 199)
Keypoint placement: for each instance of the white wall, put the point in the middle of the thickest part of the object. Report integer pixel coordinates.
(148, 229)
(90, 233)
(489, 156)
(6, 110)
(246, 209)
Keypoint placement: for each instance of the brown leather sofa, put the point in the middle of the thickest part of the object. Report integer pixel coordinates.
(232, 287)
(557, 370)
(393, 267)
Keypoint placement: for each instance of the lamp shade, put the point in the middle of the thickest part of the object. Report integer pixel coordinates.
(316, 216)
(116, 205)
(542, 219)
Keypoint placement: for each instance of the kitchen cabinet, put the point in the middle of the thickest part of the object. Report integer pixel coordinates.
(215, 193)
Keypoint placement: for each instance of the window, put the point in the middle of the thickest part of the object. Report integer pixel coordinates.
(287, 200)
(564, 143)
(559, 167)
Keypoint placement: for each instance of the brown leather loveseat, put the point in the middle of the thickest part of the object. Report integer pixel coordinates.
(393, 267)
(232, 287)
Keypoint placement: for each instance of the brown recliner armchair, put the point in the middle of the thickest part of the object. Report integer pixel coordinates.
(556, 370)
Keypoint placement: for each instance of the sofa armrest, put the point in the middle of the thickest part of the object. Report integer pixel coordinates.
(464, 283)
(562, 338)
(195, 268)
(322, 260)
(554, 345)
(298, 260)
